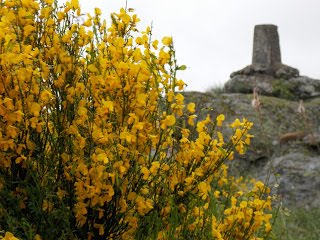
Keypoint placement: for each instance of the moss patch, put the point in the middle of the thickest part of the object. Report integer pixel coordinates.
(284, 89)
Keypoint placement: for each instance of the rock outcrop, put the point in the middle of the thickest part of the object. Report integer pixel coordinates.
(292, 89)
(286, 145)
(268, 74)
(292, 164)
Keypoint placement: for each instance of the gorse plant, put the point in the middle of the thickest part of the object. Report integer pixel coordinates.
(97, 143)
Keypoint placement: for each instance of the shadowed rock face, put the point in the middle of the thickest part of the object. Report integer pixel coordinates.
(268, 74)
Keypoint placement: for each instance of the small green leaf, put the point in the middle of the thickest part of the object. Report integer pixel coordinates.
(223, 151)
(182, 67)
(28, 17)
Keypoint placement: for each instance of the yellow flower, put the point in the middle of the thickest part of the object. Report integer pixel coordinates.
(199, 172)
(60, 16)
(83, 169)
(168, 121)
(130, 138)
(10, 236)
(149, 204)
(88, 23)
(236, 123)
(243, 204)
(100, 227)
(155, 44)
(45, 96)
(97, 11)
(204, 188)
(240, 215)
(102, 157)
(61, 193)
(179, 98)
(47, 206)
(49, 2)
(191, 107)
(80, 88)
(145, 173)
(167, 41)
(177, 109)
(122, 169)
(154, 167)
(8, 103)
(165, 167)
(45, 12)
(28, 29)
(73, 130)
(163, 57)
(81, 208)
(189, 180)
(20, 159)
(92, 68)
(107, 106)
(139, 41)
(180, 84)
(37, 237)
(125, 18)
(200, 126)
(82, 111)
(35, 109)
(145, 190)
(143, 206)
(161, 235)
(123, 205)
(268, 227)
(141, 99)
(258, 203)
(190, 119)
(74, 4)
(132, 196)
(220, 120)
(216, 194)
(170, 96)
(109, 193)
(248, 139)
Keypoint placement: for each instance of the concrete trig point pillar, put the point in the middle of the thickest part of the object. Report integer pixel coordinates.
(266, 56)
(267, 75)
(266, 47)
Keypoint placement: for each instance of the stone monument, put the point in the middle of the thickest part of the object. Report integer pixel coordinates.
(268, 74)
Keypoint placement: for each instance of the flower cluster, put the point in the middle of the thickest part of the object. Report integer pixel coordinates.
(95, 133)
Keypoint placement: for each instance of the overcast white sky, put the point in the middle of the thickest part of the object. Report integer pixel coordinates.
(214, 37)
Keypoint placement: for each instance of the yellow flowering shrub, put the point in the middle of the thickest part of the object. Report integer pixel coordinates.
(8, 236)
(96, 141)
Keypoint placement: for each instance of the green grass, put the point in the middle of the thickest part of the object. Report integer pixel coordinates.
(297, 224)
(216, 89)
